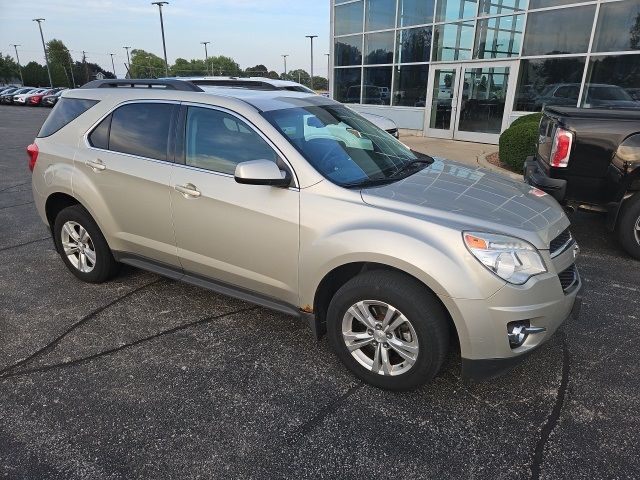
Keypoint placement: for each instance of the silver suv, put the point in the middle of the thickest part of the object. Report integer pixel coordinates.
(294, 202)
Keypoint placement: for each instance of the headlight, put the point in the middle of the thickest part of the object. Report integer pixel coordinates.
(512, 259)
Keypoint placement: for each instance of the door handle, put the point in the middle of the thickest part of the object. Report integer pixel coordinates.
(97, 166)
(188, 190)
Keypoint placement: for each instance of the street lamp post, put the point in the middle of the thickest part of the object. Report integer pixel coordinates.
(46, 57)
(15, 46)
(311, 37)
(73, 80)
(328, 70)
(206, 55)
(285, 65)
(113, 65)
(164, 45)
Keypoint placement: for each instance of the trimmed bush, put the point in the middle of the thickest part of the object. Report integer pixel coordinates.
(533, 117)
(518, 142)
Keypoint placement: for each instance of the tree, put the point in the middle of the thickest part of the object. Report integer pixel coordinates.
(9, 71)
(320, 83)
(273, 75)
(59, 60)
(257, 71)
(35, 75)
(299, 75)
(222, 65)
(146, 65)
(186, 68)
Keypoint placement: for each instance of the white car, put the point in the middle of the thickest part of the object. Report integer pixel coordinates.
(22, 98)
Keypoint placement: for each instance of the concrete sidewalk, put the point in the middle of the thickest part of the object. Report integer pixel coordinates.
(472, 154)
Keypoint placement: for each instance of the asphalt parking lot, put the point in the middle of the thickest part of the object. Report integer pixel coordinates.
(144, 377)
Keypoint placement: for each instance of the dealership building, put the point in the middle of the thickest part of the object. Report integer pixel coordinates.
(465, 69)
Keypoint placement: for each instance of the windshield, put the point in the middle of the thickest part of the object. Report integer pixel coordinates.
(608, 93)
(344, 147)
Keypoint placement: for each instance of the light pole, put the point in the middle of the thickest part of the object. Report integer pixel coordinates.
(311, 37)
(113, 65)
(46, 57)
(206, 55)
(19, 67)
(128, 60)
(73, 80)
(285, 65)
(328, 70)
(164, 45)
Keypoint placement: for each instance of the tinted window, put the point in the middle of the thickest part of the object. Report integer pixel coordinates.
(348, 18)
(378, 48)
(413, 45)
(498, 37)
(66, 110)
(218, 141)
(613, 81)
(497, 7)
(559, 31)
(348, 50)
(618, 27)
(549, 3)
(141, 129)
(380, 14)
(99, 138)
(453, 41)
(377, 85)
(455, 9)
(347, 84)
(415, 12)
(410, 85)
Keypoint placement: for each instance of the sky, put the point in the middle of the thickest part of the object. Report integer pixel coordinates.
(250, 31)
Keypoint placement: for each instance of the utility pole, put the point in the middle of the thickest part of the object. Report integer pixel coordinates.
(285, 65)
(19, 66)
(44, 47)
(86, 67)
(164, 45)
(311, 37)
(73, 80)
(328, 70)
(128, 61)
(206, 55)
(113, 65)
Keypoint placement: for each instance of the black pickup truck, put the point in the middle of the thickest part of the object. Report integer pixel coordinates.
(590, 159)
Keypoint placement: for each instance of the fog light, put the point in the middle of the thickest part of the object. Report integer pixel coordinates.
(517, 332)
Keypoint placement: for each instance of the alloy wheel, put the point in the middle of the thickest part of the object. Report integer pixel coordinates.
(380, 337)
(636, 230)
(78, 246)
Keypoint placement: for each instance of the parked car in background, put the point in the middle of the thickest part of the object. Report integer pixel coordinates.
(260, 83)
(596, 95)
(21, 99)
(7, 96)
(292, 201)
(52, 99)
(35, 99)
(5, 88)
(590, 159)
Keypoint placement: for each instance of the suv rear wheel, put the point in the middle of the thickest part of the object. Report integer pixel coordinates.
(82, 246)
(388, 329)
(629, 226)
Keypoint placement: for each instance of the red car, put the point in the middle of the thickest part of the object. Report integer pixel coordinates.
(35, 100)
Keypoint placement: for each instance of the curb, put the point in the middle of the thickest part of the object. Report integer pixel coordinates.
(484, 163)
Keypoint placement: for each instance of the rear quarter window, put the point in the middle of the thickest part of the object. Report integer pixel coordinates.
(65, 111)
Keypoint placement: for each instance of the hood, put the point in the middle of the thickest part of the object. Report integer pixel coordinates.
(475, 199)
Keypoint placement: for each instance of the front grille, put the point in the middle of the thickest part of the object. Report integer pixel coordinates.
(568, 278)
(559, 244)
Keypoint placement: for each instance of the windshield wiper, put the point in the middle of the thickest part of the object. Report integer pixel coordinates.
(410, 165)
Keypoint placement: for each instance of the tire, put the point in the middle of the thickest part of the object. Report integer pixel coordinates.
(628, 228)
(99, 264)
(420, 324)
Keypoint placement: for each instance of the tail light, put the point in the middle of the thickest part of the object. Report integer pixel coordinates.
(32, 150)
(561, 150)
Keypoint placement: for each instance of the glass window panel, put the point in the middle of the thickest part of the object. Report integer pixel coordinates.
(618, 27)
(348, 50)
(444, 84)
(453, 41)
(414, 45)
(498, 37)
(550, 3)
(377, 85)
(346, 84)
(378, 48)
(415, 12)
(497, 7)
(448, 10)
(613, 81)
(380, 14)
(484, 92)
(540, 80)
(348, 18)
(559, 31)
(410, 85)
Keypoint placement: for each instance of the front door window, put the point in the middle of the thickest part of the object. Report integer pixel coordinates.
(442, 105)
(482, 99)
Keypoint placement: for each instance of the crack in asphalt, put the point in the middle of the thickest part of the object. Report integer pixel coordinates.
(51, 345)
(554, 416)
(104, 353)
(17, 205)
(13, 186)
(25, 243)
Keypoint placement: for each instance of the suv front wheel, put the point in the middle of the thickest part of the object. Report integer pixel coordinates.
(388, 329)
(629, 226)
(82, 246)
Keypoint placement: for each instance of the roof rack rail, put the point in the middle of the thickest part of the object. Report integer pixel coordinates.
(137, 83)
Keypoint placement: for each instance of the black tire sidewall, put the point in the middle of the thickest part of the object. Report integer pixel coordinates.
(105, 266)
(626, 226)
(410, 298)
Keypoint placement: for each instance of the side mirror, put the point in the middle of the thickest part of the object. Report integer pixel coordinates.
(261, 172)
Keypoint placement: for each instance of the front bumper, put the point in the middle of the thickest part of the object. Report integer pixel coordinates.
(535, 176)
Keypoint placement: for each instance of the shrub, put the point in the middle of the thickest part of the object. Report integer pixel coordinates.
(518, 142)
(533, 118)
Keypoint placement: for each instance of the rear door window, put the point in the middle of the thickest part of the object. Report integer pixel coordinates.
(142, 129)
(65, 111)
